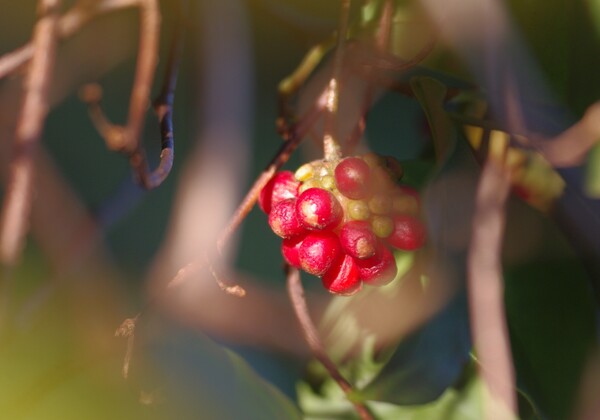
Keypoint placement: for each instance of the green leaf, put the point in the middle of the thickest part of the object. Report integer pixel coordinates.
(428, 361)
(453, 404)
(431, 94)
(54, 368)
(551, 316)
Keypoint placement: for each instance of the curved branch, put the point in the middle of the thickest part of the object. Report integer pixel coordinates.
(296, 293)
(485, 287)
(68, 24)
(17, 201)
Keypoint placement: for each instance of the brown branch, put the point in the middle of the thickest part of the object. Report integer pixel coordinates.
(127, 330)
(486, 297)
(293, 138)
(147, 60)
(382, 39)
(163, 105)
(296, 293)
(571, 146)
(331, 147)
(126, 139)
(17, 201)
(68, 24)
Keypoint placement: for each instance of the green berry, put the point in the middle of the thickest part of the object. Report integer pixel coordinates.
(382, 226)
(358, 210)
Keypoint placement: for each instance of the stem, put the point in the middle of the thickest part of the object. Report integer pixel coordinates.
(144, 74)
(293, 138)
(17, 202)
(126, 139)
(68, 24)
(331, 148)
(163, 105)
(296, 293)
(485, 286)
(381, 44)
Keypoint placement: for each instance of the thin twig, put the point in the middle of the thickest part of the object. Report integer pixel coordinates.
(127, 139)
(69, 24)
(296, 293)
(147, 60)
(17, 202)
(163, 105)
(331, 148)
(293, 138)
(127, 330)
(486, 297)
(381, 44)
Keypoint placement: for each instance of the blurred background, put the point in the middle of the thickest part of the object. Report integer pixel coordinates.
(100, 247)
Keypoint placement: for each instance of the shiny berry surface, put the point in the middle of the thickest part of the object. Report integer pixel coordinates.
(343, 277)
(318, 251)
(289, 250)
(318, 209)
(358, 240)
(283, 220)
(408, 233)
(353, 178)
(379, 269)
(281, 187)
(341, 220)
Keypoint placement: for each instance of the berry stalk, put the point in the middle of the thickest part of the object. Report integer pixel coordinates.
(296, 293)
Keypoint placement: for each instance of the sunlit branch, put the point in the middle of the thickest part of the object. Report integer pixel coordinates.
(69, 24)
(486, 292)
(311, 335)
(16, 207)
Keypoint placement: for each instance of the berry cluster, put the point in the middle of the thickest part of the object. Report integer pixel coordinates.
(338, 220)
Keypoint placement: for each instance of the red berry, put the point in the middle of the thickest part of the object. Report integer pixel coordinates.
(318, 251)
(358, 240)
(409, 233)
(318, 209)
(343, 277)
(283, 220)
(379, 269)
(405, 189)
(289, 250)
(282, 186)
(352, 178)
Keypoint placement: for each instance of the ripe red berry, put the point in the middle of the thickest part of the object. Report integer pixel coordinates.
(405, 189)
(318, 251)
(343, 277)
(283, 220)
(289, 250)
(318, 209)
(408, 234)
(380, 269)
(352, 178)
(358, 240)
(282, 186)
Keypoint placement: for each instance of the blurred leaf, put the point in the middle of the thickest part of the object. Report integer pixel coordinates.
(53, 367)
(431, 94)
(594, 6)
(552, 326)
(203, 377)
(592, 182)
(453, 404)
(428, 361)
